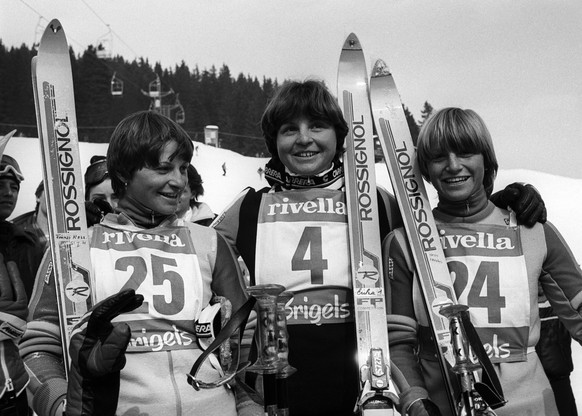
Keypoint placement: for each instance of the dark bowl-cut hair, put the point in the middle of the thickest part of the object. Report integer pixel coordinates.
(459, 131)
(138, 142)
(308, 98)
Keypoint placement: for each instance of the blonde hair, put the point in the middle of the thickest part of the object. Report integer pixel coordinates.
(459, 131)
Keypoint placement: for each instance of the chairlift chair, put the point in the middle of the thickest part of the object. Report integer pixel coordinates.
(116, 86)
(104, 44)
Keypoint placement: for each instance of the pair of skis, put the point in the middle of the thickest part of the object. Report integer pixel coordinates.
(63, 179)
(382, 107)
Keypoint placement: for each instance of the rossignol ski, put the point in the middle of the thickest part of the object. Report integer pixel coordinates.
(57, 128)
(431, 266)
(377, 392)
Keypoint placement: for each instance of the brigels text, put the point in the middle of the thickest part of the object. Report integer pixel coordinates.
(362, 173)
(415, 199)
(68, 179)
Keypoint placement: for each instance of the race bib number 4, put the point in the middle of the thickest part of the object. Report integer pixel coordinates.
(302, 240)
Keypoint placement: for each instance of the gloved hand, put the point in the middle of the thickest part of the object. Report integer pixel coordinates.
(423, 407)
(97, 352)
(13, 302)
(95, 211)
(525, 200)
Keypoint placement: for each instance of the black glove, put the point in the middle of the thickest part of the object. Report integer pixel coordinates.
(95, 211)
(97, 356)
(13, 302)
(423, 407)
(525, 200)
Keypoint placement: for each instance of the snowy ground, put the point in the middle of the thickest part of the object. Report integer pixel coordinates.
(560, 193)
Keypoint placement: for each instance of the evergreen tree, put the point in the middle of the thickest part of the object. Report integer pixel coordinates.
(425, 113)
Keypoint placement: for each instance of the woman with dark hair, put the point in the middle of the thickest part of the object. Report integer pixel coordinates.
(496, 265)
(160, 272)
(98, 183)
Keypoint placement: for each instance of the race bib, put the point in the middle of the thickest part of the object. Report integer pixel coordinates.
(489, 273)
(163, 267)
(302, 243)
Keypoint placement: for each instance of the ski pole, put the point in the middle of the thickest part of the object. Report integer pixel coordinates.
(470, 401)
(285, 369)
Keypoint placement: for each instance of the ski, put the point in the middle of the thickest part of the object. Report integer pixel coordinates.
(4, 141)
(57, 128)
(419, 223)
(449, 321)
(377, 392)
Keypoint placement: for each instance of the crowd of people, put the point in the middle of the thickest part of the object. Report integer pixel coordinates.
(159, 256)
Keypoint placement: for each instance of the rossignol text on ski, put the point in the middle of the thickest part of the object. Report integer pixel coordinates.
(377, 392)
(57, 127)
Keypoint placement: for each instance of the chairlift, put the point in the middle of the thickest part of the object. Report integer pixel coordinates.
(116, 86)
(104, 44)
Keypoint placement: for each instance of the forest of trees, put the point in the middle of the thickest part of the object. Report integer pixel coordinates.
(207, 97)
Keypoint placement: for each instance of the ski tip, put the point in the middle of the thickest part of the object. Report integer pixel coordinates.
(54, 26)
(380, 69)
(4, 142)
(352, 42)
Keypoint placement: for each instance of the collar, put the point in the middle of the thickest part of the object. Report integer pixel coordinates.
(472, 218)
(477, 202)
(278, 175)
(139, 214)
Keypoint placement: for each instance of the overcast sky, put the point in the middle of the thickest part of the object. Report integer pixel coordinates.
(518, 63)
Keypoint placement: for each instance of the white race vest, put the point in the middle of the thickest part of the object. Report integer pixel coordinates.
(159, 264)
(489, 272)
(302, 244)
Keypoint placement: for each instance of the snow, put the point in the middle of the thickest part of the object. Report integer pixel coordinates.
(561, 194)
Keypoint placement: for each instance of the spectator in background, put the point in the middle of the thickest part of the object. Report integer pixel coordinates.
(36, 221)
(189, 208)
(16, 244)
(20, 256)
(555, 351)
(100, 199)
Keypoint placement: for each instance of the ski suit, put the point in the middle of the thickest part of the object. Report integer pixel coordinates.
(28, 222)
(176, 268)
(299, 238)
(24, 249)
(496, 266)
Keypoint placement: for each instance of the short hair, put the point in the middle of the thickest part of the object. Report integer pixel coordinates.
(308, 98)
(460, 131)
(138, 141)
(195, 184)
